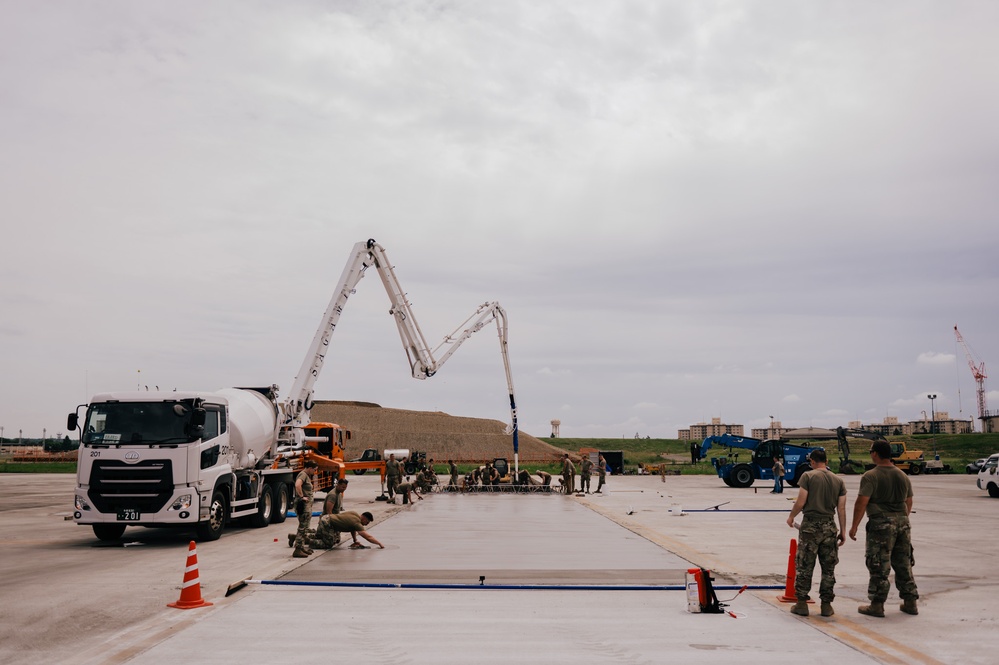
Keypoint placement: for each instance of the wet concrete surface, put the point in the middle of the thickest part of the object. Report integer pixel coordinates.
(508, 539)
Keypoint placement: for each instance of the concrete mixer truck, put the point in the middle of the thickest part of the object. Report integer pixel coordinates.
(181, 459)
(197, 460)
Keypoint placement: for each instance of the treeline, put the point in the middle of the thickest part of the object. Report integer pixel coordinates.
(48, 445)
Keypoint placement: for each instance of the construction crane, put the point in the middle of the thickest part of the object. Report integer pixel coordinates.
(978, 371)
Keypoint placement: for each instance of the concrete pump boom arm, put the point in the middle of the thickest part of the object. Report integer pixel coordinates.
(297, 406)
(422, 361)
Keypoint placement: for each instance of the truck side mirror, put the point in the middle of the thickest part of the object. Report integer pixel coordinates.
(72, 421)
(196, 428)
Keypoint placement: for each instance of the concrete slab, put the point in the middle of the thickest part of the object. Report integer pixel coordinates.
(509, 539)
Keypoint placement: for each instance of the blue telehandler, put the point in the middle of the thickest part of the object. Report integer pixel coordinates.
(761, 459)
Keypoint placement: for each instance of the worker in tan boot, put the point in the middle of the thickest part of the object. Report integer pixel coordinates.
(303, 508)
(821, 498)
(885, 495)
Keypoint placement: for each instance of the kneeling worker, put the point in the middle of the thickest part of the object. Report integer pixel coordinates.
(330, 526)
(407, 491)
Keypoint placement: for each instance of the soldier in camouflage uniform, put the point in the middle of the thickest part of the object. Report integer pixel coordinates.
(821, 498)
(303, 508)
(568, 474)
(601, 473)
(393, 475)
(330, 527)
(584, 475)
(333, 505)
(885, 495)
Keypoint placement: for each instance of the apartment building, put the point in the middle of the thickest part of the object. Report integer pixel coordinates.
(700, 431)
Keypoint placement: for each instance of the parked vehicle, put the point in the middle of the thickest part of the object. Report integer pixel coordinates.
(988, 477)
(761, 460)
(369, 455)
(976, 466)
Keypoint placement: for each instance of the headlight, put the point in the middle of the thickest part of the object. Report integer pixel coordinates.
(182, 503)
(81, 503)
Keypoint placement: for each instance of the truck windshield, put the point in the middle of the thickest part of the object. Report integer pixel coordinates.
(115, 423)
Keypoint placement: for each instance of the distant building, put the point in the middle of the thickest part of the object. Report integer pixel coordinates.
(701, 431)
(887, 427)
(990, 422)
(890, 426)
(775, 431)
(942, 424)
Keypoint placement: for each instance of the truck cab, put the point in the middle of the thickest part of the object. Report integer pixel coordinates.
(988, 476)
(178, 459)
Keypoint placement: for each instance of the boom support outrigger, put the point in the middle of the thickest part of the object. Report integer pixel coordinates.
(423, 361)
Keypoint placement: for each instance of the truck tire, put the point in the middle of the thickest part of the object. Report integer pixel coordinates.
(915, 469)
(727, 481)
(359, 472)
(798, 473)
(742, 476)
(265, 508)
(211, 529)
(108, 532)
(410, 468)
(993, 492)
(280, 495)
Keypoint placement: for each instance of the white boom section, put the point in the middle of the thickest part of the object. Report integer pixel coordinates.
(422, 361)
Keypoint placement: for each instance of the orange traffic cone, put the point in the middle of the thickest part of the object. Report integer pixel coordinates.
(190, 591)
(790, 595)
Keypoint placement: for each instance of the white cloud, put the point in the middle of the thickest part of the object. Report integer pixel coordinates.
(635, 182)
(934, 358)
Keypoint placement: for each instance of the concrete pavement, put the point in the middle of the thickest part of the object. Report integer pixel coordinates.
(635, 533)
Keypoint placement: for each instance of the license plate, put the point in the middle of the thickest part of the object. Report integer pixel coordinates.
(128, 514)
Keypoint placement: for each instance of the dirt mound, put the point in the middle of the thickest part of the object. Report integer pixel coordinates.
(441, 435)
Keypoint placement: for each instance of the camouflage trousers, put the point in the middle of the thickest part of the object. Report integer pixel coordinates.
(889, 547)
(817, 540)
(325, 538)
(304, 520)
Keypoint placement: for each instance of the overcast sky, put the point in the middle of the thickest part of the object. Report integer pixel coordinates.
(688, 209)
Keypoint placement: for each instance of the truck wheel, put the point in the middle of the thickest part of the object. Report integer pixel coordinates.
(211, 529)
(359, 472)
(993, 492)
(799, 472)
(410, 468)
(107, 532)
(727, 481)
(280, 496)
(265, 507)
(742, 476)
(915, 469)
